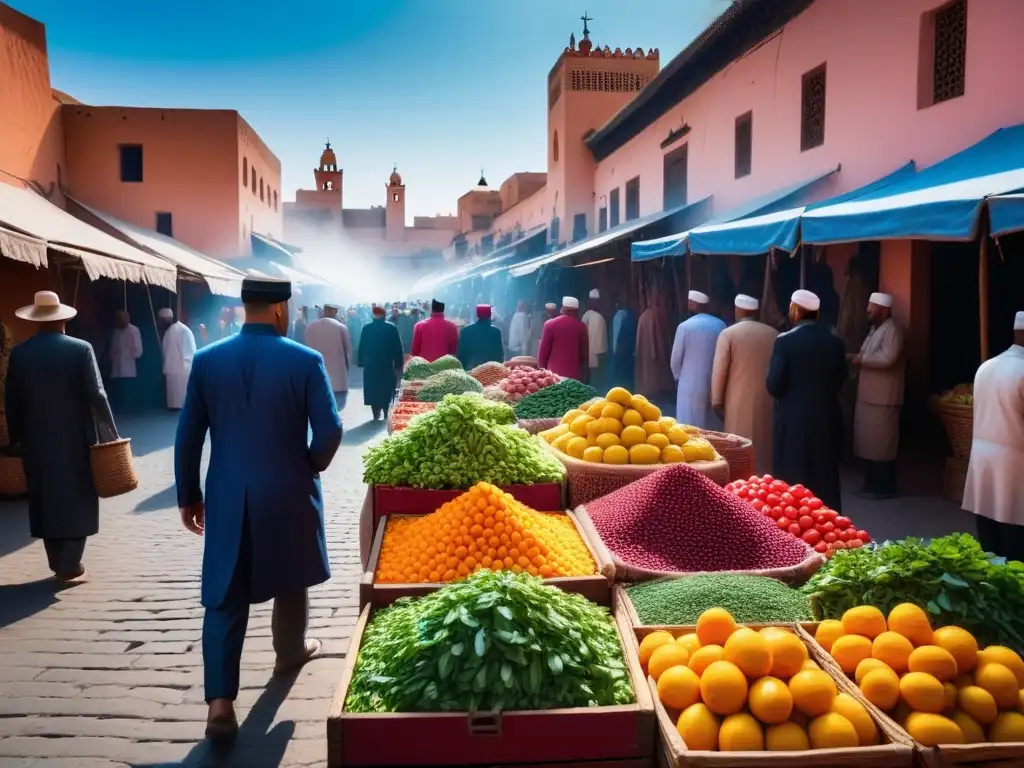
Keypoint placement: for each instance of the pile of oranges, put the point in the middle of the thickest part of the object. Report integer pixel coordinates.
(483, 528)
(937, 684)
(738, 690)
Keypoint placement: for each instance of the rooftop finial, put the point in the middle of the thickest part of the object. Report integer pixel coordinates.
(586, 30)
(483, 179)
(328, 143)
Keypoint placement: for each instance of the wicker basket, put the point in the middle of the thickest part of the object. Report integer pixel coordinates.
(954, 478)
(738, 451)
(113, 471)
(12, 476)
(958, 421)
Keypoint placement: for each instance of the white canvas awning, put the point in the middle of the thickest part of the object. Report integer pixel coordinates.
(102, 255)
(19, 247)
(222, 279)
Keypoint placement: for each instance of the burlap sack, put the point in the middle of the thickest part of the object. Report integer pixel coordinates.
(794, 574)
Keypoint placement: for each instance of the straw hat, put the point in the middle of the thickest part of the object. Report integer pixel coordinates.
(46, 308)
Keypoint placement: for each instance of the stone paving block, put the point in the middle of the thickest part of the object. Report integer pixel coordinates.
(127, 677)
(146, 693)
(59, 646)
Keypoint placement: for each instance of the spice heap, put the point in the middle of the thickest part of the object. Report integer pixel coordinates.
(483, 528)
(496, 393)
(553, 401)
(492, 642)
(937, 684)
(677, 520)
(622, 428)
(732, 689)
(795, 509)
(750, 599)
(450, 382)
(465, 440)
(524, 381)
(490, 373)
(404, 412)
(951, 577)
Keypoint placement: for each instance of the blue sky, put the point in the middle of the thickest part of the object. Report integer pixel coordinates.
(440, 87)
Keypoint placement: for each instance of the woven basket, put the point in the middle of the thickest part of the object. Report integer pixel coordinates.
(954, 478)
(12, 477)
(958, 421)
(522, 361)
(113, 472)
(738, 451)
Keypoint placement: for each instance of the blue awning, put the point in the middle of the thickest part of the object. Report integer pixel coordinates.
(689, 212)
(677, 245)
(1006, 214)
(500, 258)
(268, 246)
(941, 202)
(778, 230)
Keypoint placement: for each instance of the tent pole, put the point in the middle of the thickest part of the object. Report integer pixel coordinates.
(983, 287)
(152, 312)
(803, 266)
(74, 296)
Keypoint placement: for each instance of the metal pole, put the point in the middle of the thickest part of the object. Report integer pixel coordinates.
(983, 287)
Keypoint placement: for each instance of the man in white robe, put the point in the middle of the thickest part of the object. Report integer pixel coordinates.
(179, 347)
(597, 338)
(330, 337)
(125, 348)
(692, 362)
(994, 492)
(519, 331)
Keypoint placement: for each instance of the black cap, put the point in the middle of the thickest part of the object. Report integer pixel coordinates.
(264, 291)
(436, 306)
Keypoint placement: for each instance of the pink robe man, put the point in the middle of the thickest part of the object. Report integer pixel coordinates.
(435, 337)
(564, 346)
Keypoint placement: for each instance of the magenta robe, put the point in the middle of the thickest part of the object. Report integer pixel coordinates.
(434, 338)
(564, 347)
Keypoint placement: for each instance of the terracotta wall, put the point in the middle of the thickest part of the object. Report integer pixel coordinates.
(31, 134)
(257, 209)
(527, 214)
(20, 283)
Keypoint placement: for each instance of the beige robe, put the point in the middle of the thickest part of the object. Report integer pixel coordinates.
(742, 355)
(994, 489)
(876, 418)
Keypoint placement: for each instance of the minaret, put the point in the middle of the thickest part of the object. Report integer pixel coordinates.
(395, 217)
(328, 175)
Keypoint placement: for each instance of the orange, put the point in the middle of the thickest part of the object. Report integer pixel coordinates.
(894, 649)
(969, 727)
(704, 656)
(750, 652)
(854, 711)
(723, 687)
(1005, 656)
(912, 622)
(999, 681)
(934, 660)
(864, 620)
(740, 733)
(813, 692)
(978, 703)
(866, 666)
(678, 687)
(851, 650)
(698, 726)
(832, 731)
(616, 454)
(786, 737)
(770, 701)
(788, 653)
(669, 655)
(690, 642)
(933, 730)
(714, 626)
(960, 644)
(828, 632)
(882, 688)
(922, 692)
(1008, 727)
(652, 642)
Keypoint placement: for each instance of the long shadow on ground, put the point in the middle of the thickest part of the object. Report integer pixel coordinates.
(19, 601)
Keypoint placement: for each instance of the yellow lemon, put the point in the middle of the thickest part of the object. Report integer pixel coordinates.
(560, 443)
(936, 661)
(1008, 727)
(632, 418)
(651, 643)
(882, 688)
(607, 440)
(576, 447)
(636, 401)
(579, 425)
(594, 454)
(644, 454)
(705, 656)
(593, 428)
(969, 727)
(750, 652)
(698, 727)
(658, 440)
(851, 650)
(619, 396)
(616, 454)
(864, 620)
(933, 730)
(651, 427)
(788, 653)
(571, 415)
(832, 731)
(1000, 681)
(922, 692)
(678, 436)
(612, 411)
(596, 408)
(912, 622)
(672, 454)
(1005, 656)
(699, 449)
(828, 632)
(678, 687)
(786, 737)
(952, 694)
(668, 655)
(866, 666)
(894, 649)
(853, 710)
(813, 692)
(723, 687)
(740, 733)
(770, 701)
(649, 411)
(633, 436)
(714, 626)
(960, 644)
(610, 426)
(666, 422)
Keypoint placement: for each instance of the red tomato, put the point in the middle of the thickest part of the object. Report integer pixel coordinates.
(757, 504)
(798, 490)
(864, 536)
(828, 527)
(817, 517)
(804, 510)
(845, 534)
(786, 498)
(839, 545)
(815, 503)
(762, 494)
(830, 514)
(843, 522)
(776, 511)
(812, 537)
(767, 479)
(795, 529)
(790, 512)
(854, 544)
(753, 479)
(806, 523)
(782, 523)
(773, 499)
(779, 486)
(821, 546)
(830, 537)
(741, 492)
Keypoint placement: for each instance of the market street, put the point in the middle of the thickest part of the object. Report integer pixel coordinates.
(109, 673)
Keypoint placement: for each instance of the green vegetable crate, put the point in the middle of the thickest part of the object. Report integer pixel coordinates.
(586, 737)
(596, 588)
(966, 755)
(896, 751)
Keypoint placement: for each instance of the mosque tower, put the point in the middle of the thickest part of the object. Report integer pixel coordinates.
(329, 177)
(395, 217)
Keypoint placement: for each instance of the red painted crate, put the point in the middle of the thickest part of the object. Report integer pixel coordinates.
(587, 737)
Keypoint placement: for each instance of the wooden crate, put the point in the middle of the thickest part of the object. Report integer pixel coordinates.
(589, 737)
(896, 751)
(596, 588)
(1010, 755)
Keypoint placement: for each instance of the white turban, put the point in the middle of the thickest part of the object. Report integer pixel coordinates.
(698, 297)
(166, 314)
(1018, 322)
(747, 302)
(806, 299)
(881, 299)
(595, 294)
(550, 305)
(570, 303)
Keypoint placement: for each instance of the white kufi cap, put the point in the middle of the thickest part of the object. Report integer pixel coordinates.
(881, 299)
(747, 302)
(806, 299)
(570, 302)
(595, 294)
(166, 314)
(1018, 322)
(550, 305)
(697, 296)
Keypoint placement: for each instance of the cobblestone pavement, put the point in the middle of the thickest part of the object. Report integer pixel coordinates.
(108, 673)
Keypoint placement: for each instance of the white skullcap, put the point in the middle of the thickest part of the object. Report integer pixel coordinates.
(550, 305)
(595, 294)
(747, 302)
(166, 313)
(570, 303)
(806, 299)
(881, 299)
(1018, 322)
(697, 296)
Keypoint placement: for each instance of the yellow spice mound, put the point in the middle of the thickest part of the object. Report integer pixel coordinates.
(483, 528)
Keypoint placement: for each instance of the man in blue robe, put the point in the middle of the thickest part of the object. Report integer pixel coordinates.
(257, 394)
(480, 342)
(381, 358)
